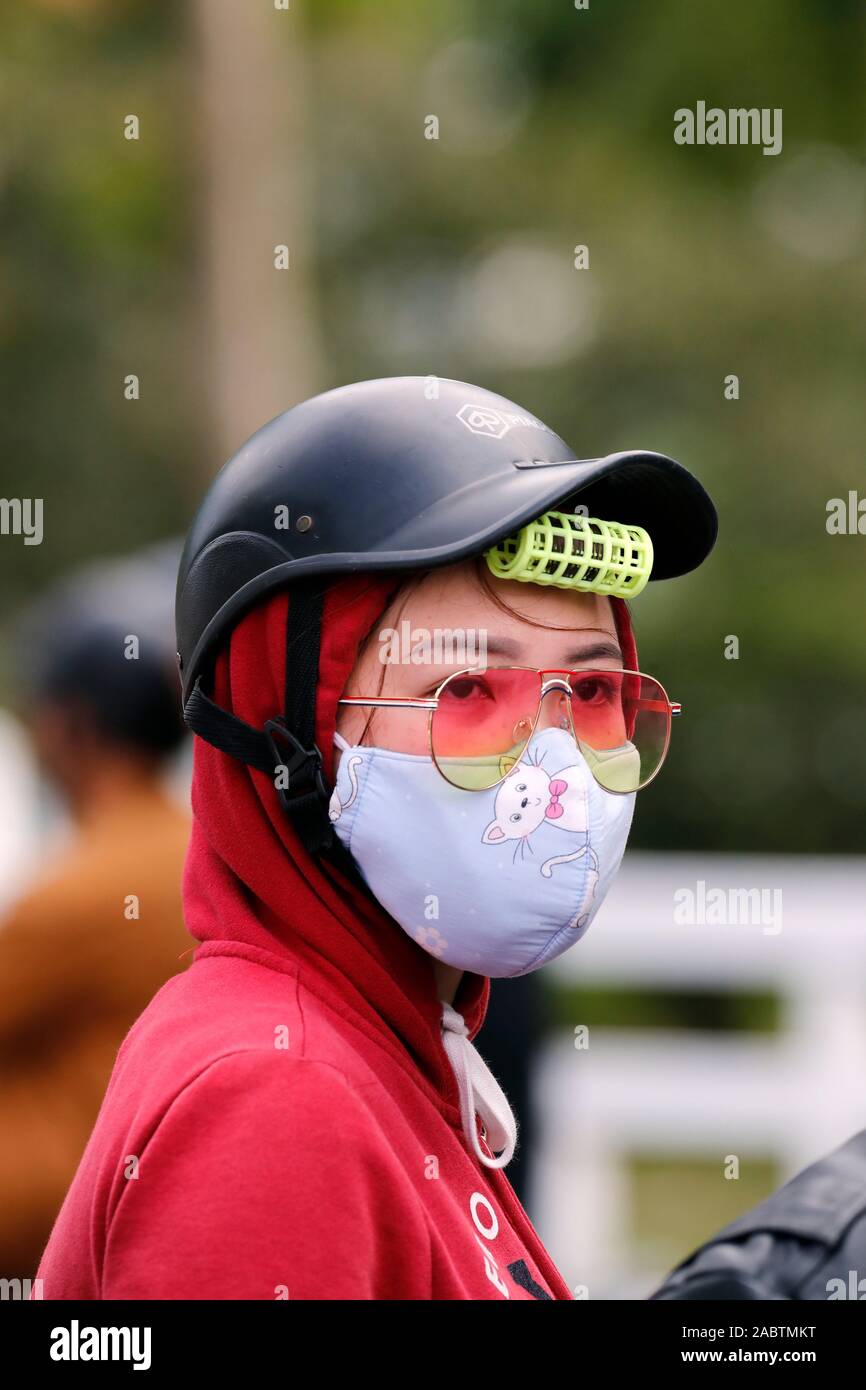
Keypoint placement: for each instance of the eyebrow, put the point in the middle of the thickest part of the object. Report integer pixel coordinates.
(504, 646)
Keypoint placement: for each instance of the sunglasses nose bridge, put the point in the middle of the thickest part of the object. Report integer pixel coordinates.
(560, 715)
(557, 683)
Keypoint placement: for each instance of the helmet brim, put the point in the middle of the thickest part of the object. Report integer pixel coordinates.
(635, 487)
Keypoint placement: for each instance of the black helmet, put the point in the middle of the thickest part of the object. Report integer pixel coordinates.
(398, 473)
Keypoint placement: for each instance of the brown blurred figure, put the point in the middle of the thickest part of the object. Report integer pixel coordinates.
(101, 930)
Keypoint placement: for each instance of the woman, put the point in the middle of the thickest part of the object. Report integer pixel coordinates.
(303, 1113)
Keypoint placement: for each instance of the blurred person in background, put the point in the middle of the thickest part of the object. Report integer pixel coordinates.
(100, 929)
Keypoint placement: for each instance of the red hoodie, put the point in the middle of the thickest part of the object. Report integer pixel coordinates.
(283, 1119)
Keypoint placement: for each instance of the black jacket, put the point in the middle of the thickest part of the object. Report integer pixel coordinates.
(807, 1241)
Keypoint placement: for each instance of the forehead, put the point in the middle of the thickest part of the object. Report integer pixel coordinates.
(457, 589)
(522, 622)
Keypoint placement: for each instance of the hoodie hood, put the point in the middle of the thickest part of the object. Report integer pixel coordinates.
(250, 885)
(248, 880)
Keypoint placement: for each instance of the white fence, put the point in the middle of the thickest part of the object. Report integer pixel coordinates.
(793, 1095)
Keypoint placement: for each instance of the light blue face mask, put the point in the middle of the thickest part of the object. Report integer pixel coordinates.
(499, 881)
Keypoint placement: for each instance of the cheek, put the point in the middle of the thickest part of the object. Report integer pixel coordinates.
(401, 730)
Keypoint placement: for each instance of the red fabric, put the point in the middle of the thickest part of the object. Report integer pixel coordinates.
(283, 1119)
(625, 633)
(631, 684)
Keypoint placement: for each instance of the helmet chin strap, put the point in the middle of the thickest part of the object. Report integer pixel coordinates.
(287, 741)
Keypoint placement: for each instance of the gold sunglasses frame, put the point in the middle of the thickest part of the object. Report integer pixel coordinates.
(431, 703)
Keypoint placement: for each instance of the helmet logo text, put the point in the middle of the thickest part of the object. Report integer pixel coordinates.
(483, 419)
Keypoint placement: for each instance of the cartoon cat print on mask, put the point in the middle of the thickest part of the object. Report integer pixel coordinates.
(528, 798)
(410, 831)
(336, 806)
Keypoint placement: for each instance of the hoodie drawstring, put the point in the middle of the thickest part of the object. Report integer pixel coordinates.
(479, 1091)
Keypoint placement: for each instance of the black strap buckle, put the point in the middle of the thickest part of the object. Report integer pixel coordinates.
(304, 765)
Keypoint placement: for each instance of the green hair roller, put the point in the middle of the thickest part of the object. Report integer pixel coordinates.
(576, 552)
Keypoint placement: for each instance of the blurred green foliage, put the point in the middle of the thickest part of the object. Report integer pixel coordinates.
(556, 128)
(595, 1006)
(97, 277)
